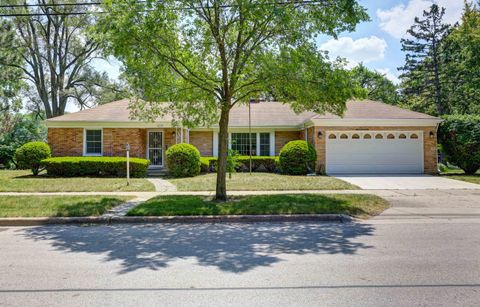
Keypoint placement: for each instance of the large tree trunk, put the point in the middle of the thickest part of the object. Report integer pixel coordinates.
(221, 191)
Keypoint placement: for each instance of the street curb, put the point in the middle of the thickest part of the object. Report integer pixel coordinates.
(37, 221)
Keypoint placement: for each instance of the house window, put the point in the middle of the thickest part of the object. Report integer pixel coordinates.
(93, 142)
(264, 144)
(241, 143)
(260, 143)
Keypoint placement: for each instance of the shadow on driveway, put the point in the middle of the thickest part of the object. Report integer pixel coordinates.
(229, 247)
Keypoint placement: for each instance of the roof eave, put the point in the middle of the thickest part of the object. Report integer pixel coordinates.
(108, 124)
(364, 122)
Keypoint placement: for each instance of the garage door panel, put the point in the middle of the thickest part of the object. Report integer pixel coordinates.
(374, 155)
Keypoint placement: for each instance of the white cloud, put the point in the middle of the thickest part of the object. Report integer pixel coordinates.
(398, 19)
(367, 49)
(389, 74)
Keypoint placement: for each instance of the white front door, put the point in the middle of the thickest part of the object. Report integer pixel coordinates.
(374, 152)
(155, 148)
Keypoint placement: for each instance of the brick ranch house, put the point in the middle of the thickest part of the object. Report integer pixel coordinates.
(371, 137)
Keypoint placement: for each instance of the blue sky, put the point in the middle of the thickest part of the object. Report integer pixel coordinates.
(375, 43)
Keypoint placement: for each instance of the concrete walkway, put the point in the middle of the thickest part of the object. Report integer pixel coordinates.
(162, 185)
(405, 182)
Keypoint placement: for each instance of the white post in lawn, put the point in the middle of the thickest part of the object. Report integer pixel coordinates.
(127, 147)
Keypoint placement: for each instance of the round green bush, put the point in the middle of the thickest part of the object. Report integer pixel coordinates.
(29, 155)
(183, 160)
(297, 158)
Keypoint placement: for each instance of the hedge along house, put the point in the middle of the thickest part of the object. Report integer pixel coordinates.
(371, 137)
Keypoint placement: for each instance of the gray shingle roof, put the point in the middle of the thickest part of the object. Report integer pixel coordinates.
(369, 109)
(267, 114)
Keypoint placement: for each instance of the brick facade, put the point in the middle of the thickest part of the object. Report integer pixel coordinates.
(115, 139)
(66, 141)
(69, 141)
(283, 137)
(429, 143)
(203, 140)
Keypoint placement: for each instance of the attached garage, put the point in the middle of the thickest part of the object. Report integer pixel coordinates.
(374, 152)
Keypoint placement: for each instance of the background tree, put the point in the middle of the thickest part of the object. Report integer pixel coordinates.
(10, 76)
(423, 69)
(377, 85)
(16, 131)
(462, 59)
(203, 57)
(58, 53)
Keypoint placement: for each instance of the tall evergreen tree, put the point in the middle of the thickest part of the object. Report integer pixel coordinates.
(422, 72)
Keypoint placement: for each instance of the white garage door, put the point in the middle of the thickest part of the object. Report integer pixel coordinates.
(369, 152)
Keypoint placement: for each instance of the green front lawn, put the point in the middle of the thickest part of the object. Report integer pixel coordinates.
(468, 178)
(59, 206)
(357, 205)
(262, 182)
(458, 174)
(23, 181)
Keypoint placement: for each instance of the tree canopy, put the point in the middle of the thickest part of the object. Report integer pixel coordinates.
(462, 58)
(10, 74)
(57, 54)
(378, 86)
(203, 57)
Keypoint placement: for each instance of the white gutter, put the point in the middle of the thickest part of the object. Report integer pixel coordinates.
(375, 122)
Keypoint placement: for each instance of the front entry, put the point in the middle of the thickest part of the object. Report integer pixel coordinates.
(155, 148)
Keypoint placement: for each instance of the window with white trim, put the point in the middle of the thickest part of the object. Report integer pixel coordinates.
(264, 144)
(241, 143)
(93, 142)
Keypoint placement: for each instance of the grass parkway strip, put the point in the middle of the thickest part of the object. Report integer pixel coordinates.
(359, 205)
(57, 206)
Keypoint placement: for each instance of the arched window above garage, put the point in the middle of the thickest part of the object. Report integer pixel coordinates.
(344, 136)
(355, 136)
(367, 136)
(379, 136)
(390, 136)
(414, 136)
(332, 136)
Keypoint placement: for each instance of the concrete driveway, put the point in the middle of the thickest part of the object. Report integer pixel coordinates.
(405, 182)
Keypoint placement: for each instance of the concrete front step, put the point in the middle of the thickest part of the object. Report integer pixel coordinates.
(156, 172)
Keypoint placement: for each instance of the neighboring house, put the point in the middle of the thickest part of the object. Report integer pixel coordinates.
(371, 137)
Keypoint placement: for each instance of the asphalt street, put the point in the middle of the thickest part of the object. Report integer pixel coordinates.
(417, 254)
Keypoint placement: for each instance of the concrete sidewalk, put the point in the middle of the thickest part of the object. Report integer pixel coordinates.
(147, 195)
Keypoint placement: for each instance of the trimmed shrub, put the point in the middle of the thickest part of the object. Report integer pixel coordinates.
(30, 155)
(95, 166)
(183, 160)
(259, 164)
(297, 158)
(206, 164)
(459, 136)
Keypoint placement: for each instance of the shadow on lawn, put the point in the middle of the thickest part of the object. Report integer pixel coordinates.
(229, 247)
